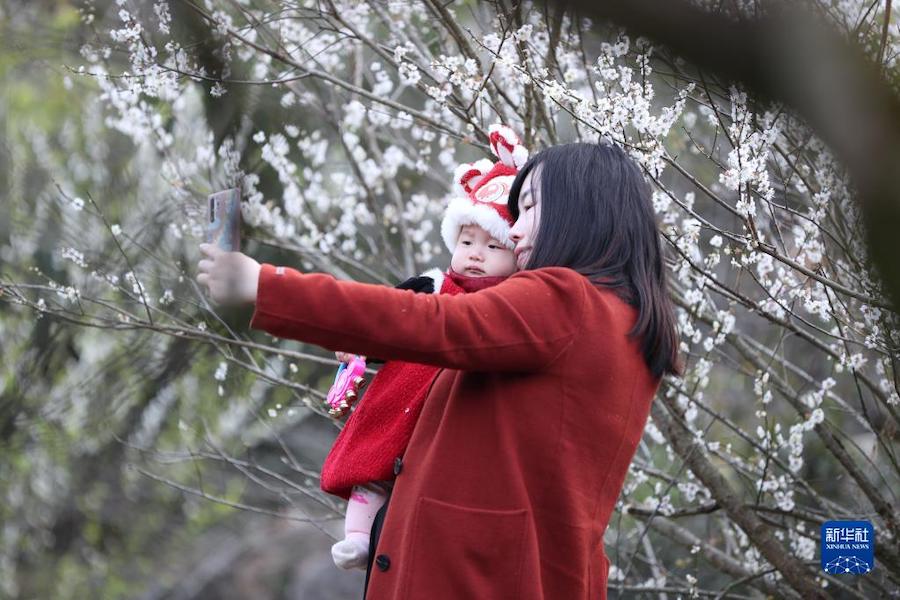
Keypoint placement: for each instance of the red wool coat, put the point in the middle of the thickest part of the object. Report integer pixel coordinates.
(524, 440)
(379, 428)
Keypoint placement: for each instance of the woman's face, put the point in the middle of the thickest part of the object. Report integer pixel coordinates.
(524, 230)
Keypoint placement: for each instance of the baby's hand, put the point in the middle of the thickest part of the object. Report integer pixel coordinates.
(230, 277)
(346, 357)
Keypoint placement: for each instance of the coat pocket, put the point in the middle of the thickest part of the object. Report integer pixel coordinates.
(461, 552)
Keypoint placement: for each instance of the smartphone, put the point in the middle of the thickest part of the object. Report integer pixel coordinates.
(224, 227)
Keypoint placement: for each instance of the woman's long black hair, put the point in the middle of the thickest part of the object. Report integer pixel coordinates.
(596, 217)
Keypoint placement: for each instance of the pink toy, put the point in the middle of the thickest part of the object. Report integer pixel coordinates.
(347, 383)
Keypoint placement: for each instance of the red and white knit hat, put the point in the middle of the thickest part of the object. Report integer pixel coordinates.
(484, 189)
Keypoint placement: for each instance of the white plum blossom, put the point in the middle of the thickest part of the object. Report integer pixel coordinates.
(136, 286)
(74, 255)
(167, 298)
(221, 371)
(163, 15)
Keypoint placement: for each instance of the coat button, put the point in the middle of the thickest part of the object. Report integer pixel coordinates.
(383, 562)
(398, 465)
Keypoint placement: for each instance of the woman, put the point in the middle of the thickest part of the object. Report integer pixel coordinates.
(525, 438)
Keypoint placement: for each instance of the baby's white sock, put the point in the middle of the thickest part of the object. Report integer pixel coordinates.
(352, 552)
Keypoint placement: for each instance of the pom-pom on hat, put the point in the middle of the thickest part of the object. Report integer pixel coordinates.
(484, 187)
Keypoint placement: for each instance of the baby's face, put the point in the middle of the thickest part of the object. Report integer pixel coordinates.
(477, 254)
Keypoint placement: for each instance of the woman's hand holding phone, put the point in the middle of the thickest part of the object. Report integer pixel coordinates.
(230, 277)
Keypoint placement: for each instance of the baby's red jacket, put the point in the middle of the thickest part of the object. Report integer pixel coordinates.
(379, 428)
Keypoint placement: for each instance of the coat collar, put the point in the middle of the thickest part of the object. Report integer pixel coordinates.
(473, 284)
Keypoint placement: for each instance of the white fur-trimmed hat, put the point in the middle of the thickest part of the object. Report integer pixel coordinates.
(483, 189)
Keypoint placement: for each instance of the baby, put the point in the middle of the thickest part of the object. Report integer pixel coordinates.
(367, 454)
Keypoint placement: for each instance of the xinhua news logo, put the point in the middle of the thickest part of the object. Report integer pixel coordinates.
(847, 547)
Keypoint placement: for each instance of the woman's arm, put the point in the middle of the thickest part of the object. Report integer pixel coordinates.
(420, 285)
(521, 324)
